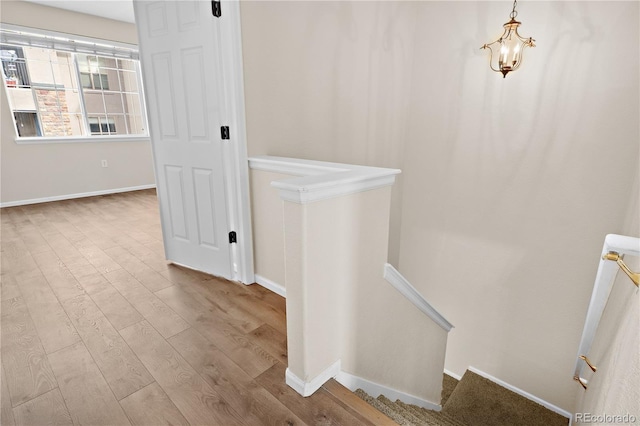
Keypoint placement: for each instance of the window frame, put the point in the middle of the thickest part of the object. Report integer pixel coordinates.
(106, 46)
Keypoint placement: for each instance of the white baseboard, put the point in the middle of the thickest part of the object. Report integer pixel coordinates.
(271, 285)
(374, 389)
(72, 196)
(352, 383)
(452, 374)
(520, 392)
(308, 388)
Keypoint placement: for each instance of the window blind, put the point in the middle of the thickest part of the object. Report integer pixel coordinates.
(20, 36)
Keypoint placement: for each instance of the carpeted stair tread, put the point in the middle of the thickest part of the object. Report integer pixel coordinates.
(474, 401)
(479, 401)
(413, 409)
(383, 408)
(448, 385)
(430, 417)
(407, 415)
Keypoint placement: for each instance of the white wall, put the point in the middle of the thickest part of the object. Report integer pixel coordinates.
(512, 184)
(329, 81)
(509, 185)
(339, 306)
(41, 171)
(267, 226)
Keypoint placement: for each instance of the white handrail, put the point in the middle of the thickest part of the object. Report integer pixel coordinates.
(320, 180)
(401, 284)
(607, 271)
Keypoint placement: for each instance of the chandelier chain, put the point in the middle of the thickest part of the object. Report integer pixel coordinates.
(514, 13)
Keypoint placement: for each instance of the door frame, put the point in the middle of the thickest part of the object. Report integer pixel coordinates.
(235, 150)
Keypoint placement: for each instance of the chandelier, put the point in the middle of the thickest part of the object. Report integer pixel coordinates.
(506, 52)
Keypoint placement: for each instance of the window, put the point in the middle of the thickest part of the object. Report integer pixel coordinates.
(59, 87)
(94, 81)
(27, 124)
(102, 126)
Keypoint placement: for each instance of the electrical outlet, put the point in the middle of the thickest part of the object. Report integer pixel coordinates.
(104, 163)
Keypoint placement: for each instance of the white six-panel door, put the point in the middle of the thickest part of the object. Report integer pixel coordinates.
(180, 55)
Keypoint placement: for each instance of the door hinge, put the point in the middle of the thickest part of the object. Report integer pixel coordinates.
(216, 8)
(224, 132)
(232, 237)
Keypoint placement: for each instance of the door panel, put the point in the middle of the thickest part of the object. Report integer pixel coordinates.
(192, 69)
(163, 89)
(175, 199)
(203, 183)
(187, 16)
(179, 49)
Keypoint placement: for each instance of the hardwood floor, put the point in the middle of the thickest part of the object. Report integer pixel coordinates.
(97, 328)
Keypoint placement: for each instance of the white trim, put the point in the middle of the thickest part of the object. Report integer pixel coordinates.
(296, 167)
(84, 39)
(308, 388)
(235, 152)
(309, 194)
(452, 374)
(72, 196)
(271, 285)
(525, 394)
(400, 283)
(26, 36)
(319, 180)
(605, 277)
(81, 139)
(375, 389)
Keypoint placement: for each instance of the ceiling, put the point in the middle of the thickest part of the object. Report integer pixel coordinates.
(120, 10)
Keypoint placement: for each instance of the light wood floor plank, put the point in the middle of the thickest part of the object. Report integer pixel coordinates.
(100, 261)
(151, 406)
(154, 310)
(348, 398)
(253, 359)
(250, 400)
(267, 296)
(140, 271)
(63, 246)
(221, 308)
(61, 280)
(9, 287)
(40, 221)
(319, 408)
(272, 341)
(118, 311)
(17, 260)
(196, 400)
(134, 247)
(93, 282)
(98, 258)
(6, 413)
(177, 274)
(47, 409)
(51, 321)
(27, 369)
(250, 301)
(66, 228)
(86, 393)
(33, 240)
(157, 247)
(120, 367)
(144, 237)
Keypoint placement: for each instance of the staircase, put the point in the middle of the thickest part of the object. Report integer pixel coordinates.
(472, 401)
